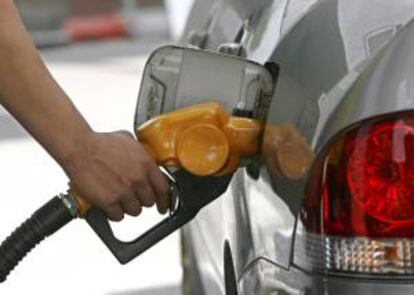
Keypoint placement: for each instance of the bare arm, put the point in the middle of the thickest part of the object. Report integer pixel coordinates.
(29, 92)
(110, 170)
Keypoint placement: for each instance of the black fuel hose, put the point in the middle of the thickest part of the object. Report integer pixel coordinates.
(44, 222)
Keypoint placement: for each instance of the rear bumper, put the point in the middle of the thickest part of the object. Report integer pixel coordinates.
(264, 277)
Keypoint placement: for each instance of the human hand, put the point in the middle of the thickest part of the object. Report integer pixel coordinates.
(114, 172)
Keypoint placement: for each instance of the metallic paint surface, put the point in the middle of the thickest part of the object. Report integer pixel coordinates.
(339, 62)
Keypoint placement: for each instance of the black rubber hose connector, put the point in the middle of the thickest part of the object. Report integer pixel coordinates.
(44, 222)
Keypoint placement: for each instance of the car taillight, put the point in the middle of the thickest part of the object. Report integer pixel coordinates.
(358, 212)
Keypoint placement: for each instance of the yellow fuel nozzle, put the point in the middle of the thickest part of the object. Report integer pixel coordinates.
(202, 139)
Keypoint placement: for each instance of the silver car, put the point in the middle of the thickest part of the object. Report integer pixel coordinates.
(329, 206)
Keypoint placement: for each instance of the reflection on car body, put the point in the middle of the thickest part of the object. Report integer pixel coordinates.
(340, 63)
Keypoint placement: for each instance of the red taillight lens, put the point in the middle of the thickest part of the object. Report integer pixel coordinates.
(359, 204)
(380, 171)
(364, 184)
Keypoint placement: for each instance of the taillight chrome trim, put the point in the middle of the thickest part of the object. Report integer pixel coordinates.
(354, 256)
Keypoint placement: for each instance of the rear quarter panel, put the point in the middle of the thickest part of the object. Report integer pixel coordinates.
(322, 49)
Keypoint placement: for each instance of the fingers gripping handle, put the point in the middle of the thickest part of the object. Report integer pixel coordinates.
(44, 222)
(126, 251)
(193, 194)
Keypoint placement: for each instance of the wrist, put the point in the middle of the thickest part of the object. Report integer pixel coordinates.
(74, 151)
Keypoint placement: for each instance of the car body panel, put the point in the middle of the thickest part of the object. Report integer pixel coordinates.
(332, 56)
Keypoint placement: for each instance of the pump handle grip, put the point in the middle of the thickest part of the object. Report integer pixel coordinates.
(193, 194)
(126, 251)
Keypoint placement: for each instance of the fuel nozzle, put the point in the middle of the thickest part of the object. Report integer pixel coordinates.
(202, 143)
(204, 146)
(202, 139)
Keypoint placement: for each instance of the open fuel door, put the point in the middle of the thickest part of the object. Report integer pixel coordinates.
(177, 77)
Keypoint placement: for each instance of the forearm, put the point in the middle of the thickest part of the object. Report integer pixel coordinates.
(30, 94)
(112, 170)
